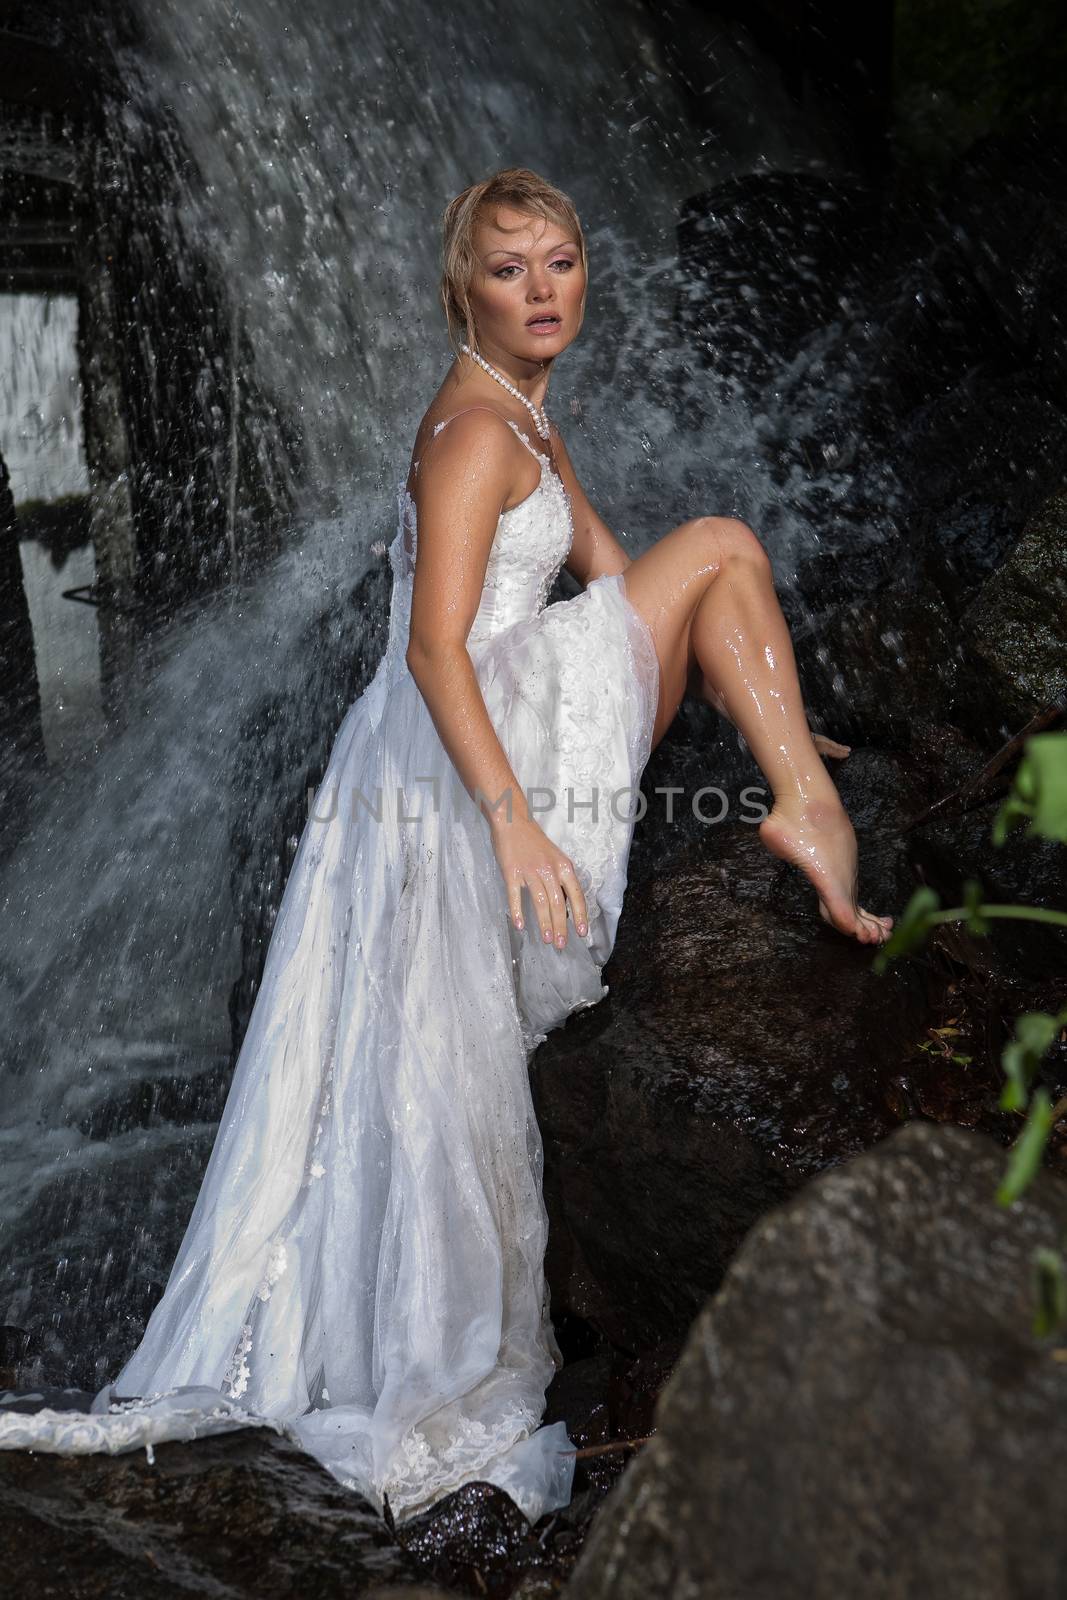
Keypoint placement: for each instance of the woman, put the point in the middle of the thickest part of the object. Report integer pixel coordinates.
(705, 591)
(363, 1268)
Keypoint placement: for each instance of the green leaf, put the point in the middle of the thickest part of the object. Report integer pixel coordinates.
(910, 929)
(1035, 1032)
(1027, 1150)
(1048, 758)
(973, 896)
(1038, 791)
(1012, 812)
(1050, 1291)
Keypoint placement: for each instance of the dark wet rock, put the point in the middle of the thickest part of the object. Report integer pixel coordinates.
(767, 257)
(196, 1516)
(882, 663)
(1025, 870)
(902, 655)
(863, 1407)
(213, 460)
(920, 337)
(16, 1344)
(956, 844)
(607, 1401)
(966, 361)
(477, 1540)
(978, 463)
(700, 750)
(1018, 257)
(1018, 624)
(407, 1591)
(21, 737)
(743, 1047)
(777, 274)
(241, 1514)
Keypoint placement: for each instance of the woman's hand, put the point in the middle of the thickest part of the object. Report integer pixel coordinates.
(528, 858)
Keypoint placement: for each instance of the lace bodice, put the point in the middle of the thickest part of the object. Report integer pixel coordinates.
(532, 541)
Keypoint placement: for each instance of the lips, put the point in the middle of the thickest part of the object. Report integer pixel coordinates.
(542, 318)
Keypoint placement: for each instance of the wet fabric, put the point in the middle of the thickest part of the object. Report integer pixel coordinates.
(363, 1267)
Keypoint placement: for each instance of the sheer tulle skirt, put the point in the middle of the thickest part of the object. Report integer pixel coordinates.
(363, 1267)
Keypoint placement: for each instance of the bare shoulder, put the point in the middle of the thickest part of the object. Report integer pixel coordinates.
(466, 464)
(465, 473)
(470, 422)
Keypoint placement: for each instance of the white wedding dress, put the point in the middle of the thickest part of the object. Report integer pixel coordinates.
(363, 1267)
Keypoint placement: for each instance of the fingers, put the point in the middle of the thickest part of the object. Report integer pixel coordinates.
(551, 907)
(515, 904)
(535, 886)
(573, 890)
(551, 885)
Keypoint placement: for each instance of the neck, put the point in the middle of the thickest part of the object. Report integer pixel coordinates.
(529, 377)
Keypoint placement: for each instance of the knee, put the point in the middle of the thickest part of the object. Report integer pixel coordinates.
(731, 540)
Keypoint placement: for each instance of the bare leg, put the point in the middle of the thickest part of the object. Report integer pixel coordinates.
(699, 686)
(741, 641)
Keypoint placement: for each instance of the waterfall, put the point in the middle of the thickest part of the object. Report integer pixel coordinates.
(325, 141)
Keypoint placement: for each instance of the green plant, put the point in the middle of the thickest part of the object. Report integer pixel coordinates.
(1037, 801)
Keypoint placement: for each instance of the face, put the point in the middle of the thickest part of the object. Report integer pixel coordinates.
(532, 272)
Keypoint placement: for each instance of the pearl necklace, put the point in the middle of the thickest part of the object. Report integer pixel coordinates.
(540, 416)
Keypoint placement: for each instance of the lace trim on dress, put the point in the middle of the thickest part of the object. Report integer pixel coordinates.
(125, 1425)
(235, 1379)
(582, 735)
(422, 1472)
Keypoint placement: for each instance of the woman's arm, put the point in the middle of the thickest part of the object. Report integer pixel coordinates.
(465, 477)
(595, 549)
(462, 485)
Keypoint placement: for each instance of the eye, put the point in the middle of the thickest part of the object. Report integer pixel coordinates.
(560, 261)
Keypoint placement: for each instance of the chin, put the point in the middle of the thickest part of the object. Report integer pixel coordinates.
(540, 345)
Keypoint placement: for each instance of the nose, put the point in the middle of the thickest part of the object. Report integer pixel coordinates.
(540, 285)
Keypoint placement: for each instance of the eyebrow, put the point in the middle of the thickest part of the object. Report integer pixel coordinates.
(562, 246)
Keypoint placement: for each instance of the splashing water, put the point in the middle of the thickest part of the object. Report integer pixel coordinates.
(328, 140)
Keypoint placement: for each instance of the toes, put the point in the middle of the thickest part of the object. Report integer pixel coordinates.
(865, 926)
(876, 928)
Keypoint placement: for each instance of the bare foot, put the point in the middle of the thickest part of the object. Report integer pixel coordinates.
(819, 838)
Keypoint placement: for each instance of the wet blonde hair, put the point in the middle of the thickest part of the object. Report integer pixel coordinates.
(518, 188)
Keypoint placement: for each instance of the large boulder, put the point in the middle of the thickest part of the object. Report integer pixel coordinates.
(1017, 626)
(239, 1514)
(863, 1408)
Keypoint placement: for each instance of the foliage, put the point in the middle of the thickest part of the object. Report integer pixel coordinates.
(1037, 803)
(966, 68)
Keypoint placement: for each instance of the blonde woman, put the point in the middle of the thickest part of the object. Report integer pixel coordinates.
(363, 1268)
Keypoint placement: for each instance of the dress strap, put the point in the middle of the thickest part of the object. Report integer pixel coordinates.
(514, 425)
(525, 441)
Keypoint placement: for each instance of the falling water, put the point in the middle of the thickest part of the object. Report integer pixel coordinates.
(328, 139)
